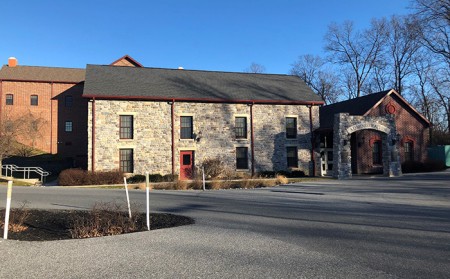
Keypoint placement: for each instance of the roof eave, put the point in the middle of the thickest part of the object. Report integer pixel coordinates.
(203, 100)
(40, 81)
(392, 91)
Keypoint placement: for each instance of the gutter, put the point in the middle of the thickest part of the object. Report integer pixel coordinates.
(313, 160)
(252, 138)
(43, 81)
(93, 136)
(51, 118)
(172, 115)
(1, 100)
(204, 100)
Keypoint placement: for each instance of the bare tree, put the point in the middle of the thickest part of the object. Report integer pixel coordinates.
(434, 16)
(380, 78)
(441, 88)
(9, 131)
(359, 51)
(402, 42)
(255, 68)
(19, 132)
(312, 70)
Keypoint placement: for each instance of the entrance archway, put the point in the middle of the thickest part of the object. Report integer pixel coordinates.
(345, 125)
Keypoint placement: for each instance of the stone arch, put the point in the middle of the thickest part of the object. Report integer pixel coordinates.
(345, 125)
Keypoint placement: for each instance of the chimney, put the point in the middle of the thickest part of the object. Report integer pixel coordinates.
(12, 62)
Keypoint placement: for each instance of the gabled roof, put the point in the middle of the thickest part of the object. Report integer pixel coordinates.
(360, 106)
(127, 61)
(35, 73)
(109, 82)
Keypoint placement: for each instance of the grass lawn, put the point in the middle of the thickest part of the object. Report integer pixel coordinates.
(15, 183)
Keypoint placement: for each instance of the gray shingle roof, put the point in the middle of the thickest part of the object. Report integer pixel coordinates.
(356, 106)
(154, 83)
(34, 73)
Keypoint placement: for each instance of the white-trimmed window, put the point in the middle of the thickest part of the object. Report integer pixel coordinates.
(241, 158)
(240, 126)
(126, 127)
(68, 127)
(34, 100)
(292, 156)
(9, 99)
(126, 160)
(291, 127)
(186, 127)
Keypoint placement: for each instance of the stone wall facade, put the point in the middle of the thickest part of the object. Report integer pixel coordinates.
(345, 125)
(213, 129)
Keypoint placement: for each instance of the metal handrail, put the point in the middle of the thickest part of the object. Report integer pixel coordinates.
(26, 171)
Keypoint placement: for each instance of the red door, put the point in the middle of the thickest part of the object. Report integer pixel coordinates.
(186, 165)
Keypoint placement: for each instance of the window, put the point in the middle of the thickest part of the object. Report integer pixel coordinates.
(291, 127)
(376, 153)
(34, 100)
(292, 157)
(68, 126)
(241, 158)
(409, 151)
(9, 99)
(126, 160)
(126, 126)
(186, 129)
(68, 101)
(241, 127)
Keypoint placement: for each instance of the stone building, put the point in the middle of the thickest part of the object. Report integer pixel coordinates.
(370, 137)
(168, 121)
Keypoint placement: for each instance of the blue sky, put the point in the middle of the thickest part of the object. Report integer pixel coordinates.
(196, 34)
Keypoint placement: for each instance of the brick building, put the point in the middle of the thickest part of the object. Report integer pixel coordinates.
(51, 98)
(412, 127)
(168, 121)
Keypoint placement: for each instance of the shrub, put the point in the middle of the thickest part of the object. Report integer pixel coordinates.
(104, 219)
(72, 177)
(17, 218)
(296, 173)
(266, 174)
(281, 179)
(427, 166)
(213, 168)
(170, 177)
(137, 178)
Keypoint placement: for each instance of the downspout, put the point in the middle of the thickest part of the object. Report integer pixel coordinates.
(93, 136)
(172, 114)
(1, 102)
(313, 160)
(252, 138)
(51, 117)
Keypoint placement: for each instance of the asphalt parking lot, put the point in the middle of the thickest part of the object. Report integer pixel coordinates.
(364, 227)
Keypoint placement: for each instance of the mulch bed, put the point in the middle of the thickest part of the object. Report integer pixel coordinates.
(44, 225)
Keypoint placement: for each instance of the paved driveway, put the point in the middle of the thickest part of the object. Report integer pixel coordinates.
(359, 228)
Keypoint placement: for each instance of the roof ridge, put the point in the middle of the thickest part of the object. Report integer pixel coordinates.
(196, 70)
(385, 92)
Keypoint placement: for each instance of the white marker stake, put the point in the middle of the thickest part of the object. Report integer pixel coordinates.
(128, 197)
(8, 208)
(147, 189)
(203, 170)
